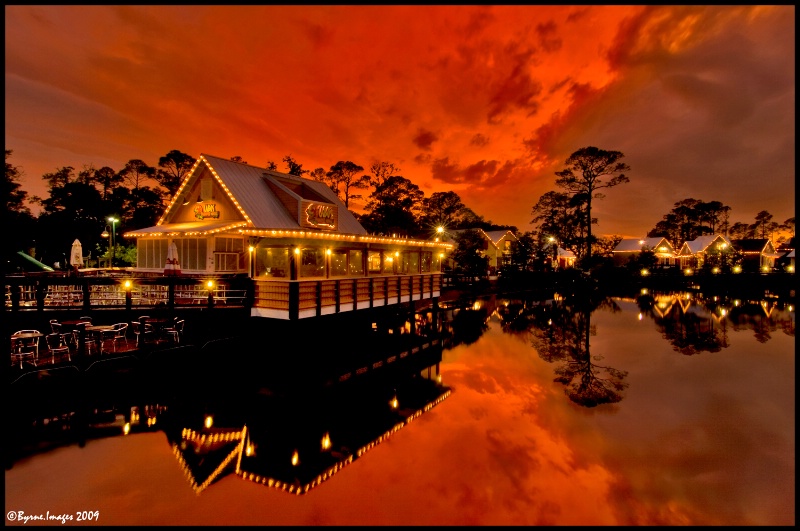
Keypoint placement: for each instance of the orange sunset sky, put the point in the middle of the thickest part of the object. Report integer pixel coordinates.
(487, 101)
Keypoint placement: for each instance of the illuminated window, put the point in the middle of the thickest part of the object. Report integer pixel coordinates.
(312, 262)
(356, 264)
(339, 263)
(374, 262)
(272, 262)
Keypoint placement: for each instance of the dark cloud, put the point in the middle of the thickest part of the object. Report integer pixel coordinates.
(517, 89)
(549, 40)
(481, 174)
(424, 139)
(479, 140)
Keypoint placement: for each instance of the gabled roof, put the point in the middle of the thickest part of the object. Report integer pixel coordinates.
(754, 245)
(563, 253)
(256, 193)
(701, 243)
(637, 245)
(497, 235)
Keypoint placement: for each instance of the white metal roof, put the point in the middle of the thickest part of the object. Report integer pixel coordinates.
(247, 184)
(700, 243)
(637, 244)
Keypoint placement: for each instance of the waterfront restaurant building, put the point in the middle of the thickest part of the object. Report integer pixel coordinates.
(306, 252)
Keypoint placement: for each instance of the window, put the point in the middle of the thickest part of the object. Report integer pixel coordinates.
(338, 263)
(192, 253)
(312, 262)
(410, 262)
(374, 262)
(151, 253)
(272, 262)
(425, 261)
(356, 264)
(229, 254)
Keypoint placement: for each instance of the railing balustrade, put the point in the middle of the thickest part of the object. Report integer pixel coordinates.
(294, 296)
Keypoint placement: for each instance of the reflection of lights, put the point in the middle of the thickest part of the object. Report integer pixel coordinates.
(326, 442)
(209, 421)
(645, 272)
(737, 269)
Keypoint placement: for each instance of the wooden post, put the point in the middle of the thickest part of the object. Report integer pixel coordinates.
(171, 294)
(41, 291)
(16, 295)
(319, 298)
(294, 301)
(87, 303)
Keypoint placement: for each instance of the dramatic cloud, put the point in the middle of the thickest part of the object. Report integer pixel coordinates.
(700, 99)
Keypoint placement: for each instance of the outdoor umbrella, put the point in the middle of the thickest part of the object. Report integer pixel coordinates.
(172, 267)
(76, 256)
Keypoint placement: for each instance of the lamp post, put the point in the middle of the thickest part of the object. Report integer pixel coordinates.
(111, 235)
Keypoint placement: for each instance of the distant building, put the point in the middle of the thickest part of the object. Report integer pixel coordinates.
(630, 248)
(498, 246)
(786, 251)
(695, 253)
(757, 253)
(564, 258)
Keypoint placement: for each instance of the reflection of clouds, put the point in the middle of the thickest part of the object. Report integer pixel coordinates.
(702, 440)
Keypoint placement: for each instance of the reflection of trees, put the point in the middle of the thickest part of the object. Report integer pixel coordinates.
(695, 325)
(560, 333)
(466, 325)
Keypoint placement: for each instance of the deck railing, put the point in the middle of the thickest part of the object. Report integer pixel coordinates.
(293, 299)
(286, 299)
(86, 293)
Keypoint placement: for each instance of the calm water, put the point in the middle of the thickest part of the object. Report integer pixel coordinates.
(659, 410)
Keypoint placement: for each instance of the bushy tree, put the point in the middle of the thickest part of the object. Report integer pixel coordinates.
(590, 169)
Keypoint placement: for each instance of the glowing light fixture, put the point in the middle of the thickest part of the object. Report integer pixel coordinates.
(295, 458)
(126, 429)
(326, 442)
(209, 421)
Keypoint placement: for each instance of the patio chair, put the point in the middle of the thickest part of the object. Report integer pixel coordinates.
(58, 328)
(117, 334)
(175, 332)
(143, 333)
(25, 349)
(57, 345)
(89, 340)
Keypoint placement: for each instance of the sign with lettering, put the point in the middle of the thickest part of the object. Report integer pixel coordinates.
(319, 216)
(206, 211)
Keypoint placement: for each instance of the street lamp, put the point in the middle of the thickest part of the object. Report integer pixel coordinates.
(555, 251)
(112, 240)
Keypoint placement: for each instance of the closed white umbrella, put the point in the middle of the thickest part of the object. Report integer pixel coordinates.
(76, 255)
(172, 267)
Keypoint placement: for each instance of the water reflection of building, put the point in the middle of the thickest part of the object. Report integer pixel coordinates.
(693, 323)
